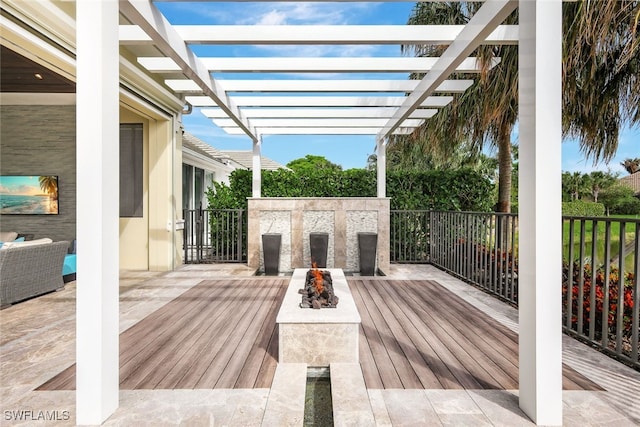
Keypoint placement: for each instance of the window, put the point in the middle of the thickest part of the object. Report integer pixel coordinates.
(199, 188)
(187, 185)
(131, 171)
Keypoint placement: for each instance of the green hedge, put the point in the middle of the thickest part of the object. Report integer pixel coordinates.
(459, 190)
(581, 208)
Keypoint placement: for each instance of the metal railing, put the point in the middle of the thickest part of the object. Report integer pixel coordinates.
(601, 258)
(218, 235)
(480, 248)
(409, 236)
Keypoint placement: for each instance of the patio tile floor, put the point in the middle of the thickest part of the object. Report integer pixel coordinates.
(37, 341)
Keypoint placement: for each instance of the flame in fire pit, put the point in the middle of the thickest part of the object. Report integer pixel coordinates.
(318, 290)
(317, 274)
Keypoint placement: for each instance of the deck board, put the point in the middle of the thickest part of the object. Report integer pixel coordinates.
(219, 331)
(383, 363)
(449, 343)
(414, 335)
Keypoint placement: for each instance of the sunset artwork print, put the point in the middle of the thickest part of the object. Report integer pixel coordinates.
(29, 195)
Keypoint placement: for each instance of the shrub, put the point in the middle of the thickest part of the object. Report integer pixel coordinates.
(457, 190)
(582, 208)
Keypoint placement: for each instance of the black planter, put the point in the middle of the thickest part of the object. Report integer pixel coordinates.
(367, 245)
(271, 251)
(319, 243)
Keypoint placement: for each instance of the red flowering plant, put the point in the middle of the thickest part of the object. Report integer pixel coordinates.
(601, 312)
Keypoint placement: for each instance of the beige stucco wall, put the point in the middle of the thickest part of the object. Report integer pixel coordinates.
(151, 242)
(134, 232)
(295, 218)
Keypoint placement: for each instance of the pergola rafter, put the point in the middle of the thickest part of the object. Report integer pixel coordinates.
(490, 15)
(167, 40)
(312, 64)
(319, 101)
(191, 75)
(319, 34)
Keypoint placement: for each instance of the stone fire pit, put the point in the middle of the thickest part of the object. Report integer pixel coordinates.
(318, 337)
(318, 290)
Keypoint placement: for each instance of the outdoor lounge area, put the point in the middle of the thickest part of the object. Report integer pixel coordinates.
(139, 338)
(433, 351)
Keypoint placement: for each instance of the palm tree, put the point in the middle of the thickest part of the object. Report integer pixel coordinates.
(631, 165)
(574, 184)
(599, 181)
(49, 184)
(601, 72)
(601, 83)
(486, 112)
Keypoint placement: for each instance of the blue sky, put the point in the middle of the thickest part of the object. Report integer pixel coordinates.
(348, 151)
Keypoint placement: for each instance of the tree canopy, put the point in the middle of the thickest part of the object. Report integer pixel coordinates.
(310, 163)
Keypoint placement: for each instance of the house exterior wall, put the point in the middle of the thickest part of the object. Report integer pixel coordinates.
(296, 218)
(164, 199)
(134, 232)
(162, 245)
(41, 140)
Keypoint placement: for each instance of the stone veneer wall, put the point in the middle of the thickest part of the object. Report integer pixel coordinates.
(295, 218)
(41, 140)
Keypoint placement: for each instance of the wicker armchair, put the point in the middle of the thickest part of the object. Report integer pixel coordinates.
(30, 271)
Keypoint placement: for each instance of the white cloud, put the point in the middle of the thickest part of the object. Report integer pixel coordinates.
(295, 13)
(273, 18)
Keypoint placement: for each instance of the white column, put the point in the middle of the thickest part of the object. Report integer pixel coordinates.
(257, 170)
(97, 154)
(381, 153)
(540, 244)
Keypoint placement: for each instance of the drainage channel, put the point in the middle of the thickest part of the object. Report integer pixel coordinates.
(318, 406)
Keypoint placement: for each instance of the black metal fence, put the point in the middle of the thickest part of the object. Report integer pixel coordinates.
(601, 259)
(215, 236)
(480, 248)
(409, 236)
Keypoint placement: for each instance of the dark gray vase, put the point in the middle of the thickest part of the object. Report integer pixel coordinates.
(367, 245)
(319, 243)
(271, 251)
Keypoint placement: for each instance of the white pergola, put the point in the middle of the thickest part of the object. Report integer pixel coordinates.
(319, 105)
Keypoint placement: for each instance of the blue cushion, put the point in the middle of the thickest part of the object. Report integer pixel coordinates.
(19, 239)
(69, 266)
(1, 243)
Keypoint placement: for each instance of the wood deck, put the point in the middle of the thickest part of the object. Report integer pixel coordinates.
(222, 334)
(417, 334)
(218, 334)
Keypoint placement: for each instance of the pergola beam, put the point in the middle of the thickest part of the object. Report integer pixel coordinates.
(317, 122)
(319, 34)
(358, 112)
(169, 42)
(319, 131)
(490, 15)
(399, 86)
(312, 64)
(319, 101)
